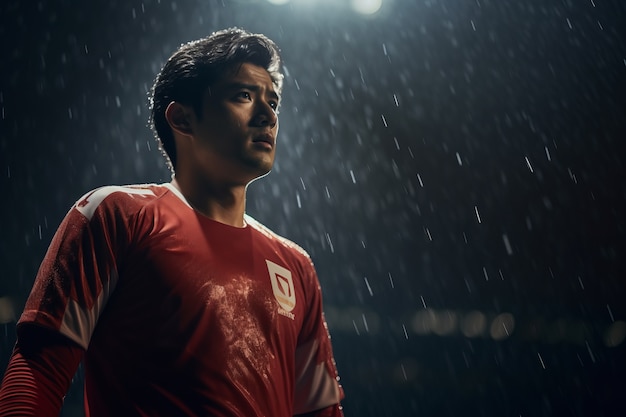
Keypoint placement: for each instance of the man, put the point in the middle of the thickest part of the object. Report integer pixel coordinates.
(179, 303)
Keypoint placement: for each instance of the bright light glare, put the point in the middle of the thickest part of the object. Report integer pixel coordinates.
(367, 6)
(279, 1)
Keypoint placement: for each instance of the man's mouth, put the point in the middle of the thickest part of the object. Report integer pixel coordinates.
(265, 138)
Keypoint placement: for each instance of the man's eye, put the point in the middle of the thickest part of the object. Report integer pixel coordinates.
(274, 105)
(244, 95)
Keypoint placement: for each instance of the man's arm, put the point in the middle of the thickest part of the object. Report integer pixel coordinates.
(39, 373)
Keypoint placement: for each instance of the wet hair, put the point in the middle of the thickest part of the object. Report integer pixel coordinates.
(197, 65)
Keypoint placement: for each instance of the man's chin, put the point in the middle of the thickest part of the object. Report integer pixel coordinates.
(261, 170)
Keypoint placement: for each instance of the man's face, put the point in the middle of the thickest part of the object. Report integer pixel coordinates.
(235, 139)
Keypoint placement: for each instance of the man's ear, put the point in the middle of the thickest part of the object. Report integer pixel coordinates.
(178, 117)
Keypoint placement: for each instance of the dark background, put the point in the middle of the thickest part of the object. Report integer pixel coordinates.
(454, 167)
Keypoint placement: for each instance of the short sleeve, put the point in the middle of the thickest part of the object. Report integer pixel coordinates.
(79, 271)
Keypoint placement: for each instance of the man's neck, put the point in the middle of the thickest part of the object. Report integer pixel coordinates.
(223, 204)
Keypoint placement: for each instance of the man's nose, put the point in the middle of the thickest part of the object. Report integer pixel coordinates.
(265, 116)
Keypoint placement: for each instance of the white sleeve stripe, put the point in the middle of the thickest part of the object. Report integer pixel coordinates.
(79, 323)
(88, 204)
(315, 387)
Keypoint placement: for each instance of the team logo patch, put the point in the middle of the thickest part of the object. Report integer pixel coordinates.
(282, 286)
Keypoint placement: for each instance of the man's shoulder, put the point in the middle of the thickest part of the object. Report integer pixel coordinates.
(277, 239)
(123, 197)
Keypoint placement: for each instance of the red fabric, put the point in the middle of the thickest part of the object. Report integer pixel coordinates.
(39, 374)
(182, 315)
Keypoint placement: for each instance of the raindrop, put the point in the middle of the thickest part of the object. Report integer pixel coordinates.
(419, 178)
(369, 288)
(543, 365)
(502, 326)
(608, 307)
(507, 244)
(330, 243)
(572, 176)
(591, 355)
(356, 328)
(477, 214)
(528, 164)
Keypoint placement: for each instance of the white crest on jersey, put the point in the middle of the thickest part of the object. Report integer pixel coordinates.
(282, 285)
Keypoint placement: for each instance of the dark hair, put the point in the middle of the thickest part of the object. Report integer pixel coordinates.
(197, 65)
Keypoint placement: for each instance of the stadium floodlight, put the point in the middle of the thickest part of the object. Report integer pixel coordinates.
(367, 6)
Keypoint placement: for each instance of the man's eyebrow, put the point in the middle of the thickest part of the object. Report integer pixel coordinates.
(252, 87)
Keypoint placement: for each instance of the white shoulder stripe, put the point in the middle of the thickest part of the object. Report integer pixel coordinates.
(273, 235)
(177, 193)
(88, 204)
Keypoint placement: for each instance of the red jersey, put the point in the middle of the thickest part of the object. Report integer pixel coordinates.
(183, 315)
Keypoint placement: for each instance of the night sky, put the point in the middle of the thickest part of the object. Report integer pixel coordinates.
(455, 168)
